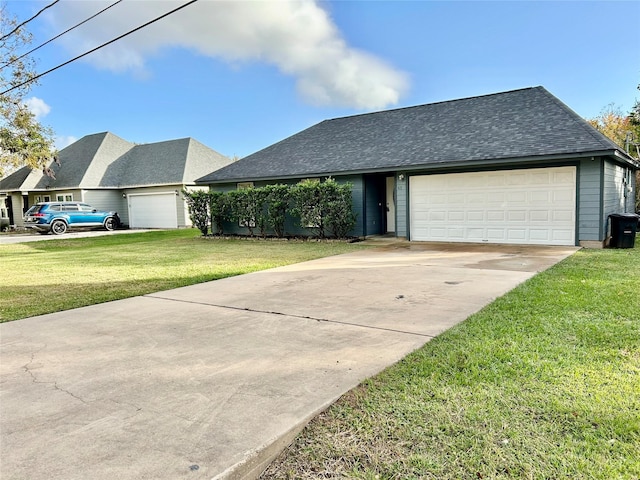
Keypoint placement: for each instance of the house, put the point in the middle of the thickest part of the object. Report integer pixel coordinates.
(143, 183)
(516, 167)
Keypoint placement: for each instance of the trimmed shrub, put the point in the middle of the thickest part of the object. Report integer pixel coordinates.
(219, 211)
(198, 204)
(308, 206)
(338, 207)
(277, 200)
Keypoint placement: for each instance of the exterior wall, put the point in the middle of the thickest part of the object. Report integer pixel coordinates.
(183, 219)
(590, 224)
(402, 206)
(616, 195)
(108, 200)
(18, 209)
(40, 196)
(291, 223)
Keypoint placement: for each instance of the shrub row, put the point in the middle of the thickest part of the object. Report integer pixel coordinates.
(323, 208)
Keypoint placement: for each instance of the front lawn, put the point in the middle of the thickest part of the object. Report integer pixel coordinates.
(544, 383)
(54, 275)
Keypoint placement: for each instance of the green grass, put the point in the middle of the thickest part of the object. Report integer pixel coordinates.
(544, 383)
(55, 275)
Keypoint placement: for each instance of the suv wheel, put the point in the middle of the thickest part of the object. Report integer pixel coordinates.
(110, 223)
(58, 227)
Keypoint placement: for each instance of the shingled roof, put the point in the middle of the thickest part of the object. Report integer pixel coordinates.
(104, 160)
(520, 124)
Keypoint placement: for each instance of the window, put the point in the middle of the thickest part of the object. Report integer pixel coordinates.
(70, 208)
(243, 185)
(65, 197)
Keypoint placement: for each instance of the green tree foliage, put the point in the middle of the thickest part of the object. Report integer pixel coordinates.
(23, 140)
(198, 203)
(613, 123)
(247, 206)
(623, 130)
(324, 207)
(321, 207)
(339, 216)
(277, 198)
(308, 205)
(219, 211)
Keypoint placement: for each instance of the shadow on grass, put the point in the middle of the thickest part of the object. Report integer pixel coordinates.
(41, 299)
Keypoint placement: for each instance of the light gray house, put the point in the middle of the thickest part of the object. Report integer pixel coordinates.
(517, 167)
(141, 182)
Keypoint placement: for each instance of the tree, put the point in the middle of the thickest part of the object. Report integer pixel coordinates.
(613, 123)
(623, 130)
(23, 140)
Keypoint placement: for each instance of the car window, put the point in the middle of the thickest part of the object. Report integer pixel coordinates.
(86, 208)
(33, 209)
(54, 207)
(70, 208)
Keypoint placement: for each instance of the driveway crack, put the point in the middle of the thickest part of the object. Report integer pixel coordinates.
(304, 317)
(34, 379)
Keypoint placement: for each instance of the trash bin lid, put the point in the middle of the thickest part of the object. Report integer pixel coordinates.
(625, 215)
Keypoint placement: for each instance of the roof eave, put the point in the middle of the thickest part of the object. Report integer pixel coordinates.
(535, 159)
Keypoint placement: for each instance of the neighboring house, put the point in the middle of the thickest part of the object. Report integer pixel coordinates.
(143, 183)
(516, 167)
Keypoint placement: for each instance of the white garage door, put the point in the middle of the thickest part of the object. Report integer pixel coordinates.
(153, 211)
(532, 206)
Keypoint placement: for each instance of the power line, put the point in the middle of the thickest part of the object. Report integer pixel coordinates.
(33, 79)
(27, 21)
(59, 35)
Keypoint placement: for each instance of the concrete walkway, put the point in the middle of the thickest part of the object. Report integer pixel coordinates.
(213, 380)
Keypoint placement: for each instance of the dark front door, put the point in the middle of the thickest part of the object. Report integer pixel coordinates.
(375, 204)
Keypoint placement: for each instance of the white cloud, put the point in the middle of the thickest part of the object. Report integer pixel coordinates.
(64, 141)
(297, 36)
(38, 107)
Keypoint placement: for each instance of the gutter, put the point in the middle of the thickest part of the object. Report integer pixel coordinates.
(442, 165)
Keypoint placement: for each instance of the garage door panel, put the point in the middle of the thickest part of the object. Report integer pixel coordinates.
(534, 206)
(153, 211)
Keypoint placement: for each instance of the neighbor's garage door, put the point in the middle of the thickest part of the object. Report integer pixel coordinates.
(532, 206)
(153, 211)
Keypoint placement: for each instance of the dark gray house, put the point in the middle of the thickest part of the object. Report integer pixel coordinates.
(516, 167)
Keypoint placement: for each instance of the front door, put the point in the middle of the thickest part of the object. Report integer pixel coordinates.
(391, 205)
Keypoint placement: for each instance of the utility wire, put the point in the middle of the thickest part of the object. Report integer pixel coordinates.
(98, 47)
(27, 21)
(59, 35)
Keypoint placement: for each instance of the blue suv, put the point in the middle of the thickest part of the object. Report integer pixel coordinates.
(57, 217)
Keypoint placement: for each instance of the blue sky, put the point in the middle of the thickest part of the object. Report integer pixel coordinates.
(241, 75)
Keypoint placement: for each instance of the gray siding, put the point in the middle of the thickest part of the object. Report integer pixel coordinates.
(589, 201)
(108, 200)
(616, 197)
(402, 207)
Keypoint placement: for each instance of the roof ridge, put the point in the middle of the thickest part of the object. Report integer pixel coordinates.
(453, 100)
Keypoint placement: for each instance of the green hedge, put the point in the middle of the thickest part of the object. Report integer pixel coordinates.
(324, 209)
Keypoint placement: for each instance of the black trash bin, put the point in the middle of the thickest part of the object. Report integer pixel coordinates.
(623, 229)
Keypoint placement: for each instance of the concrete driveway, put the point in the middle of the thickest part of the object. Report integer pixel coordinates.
(212, 380)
